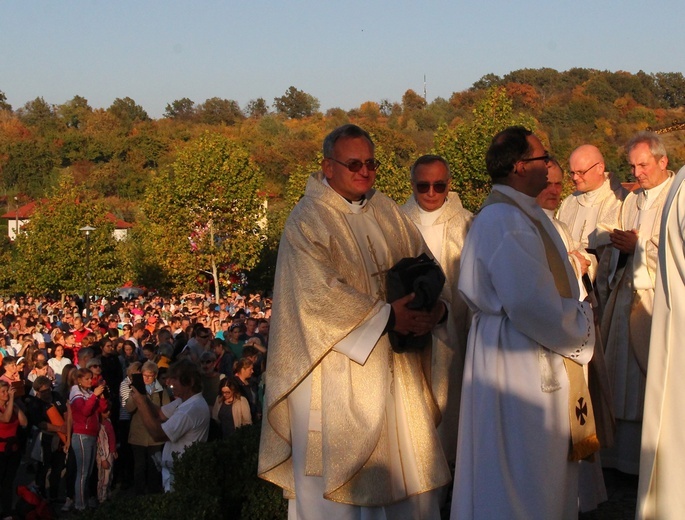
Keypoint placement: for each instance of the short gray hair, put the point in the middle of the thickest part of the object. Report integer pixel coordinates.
(342, 132)
(430, 159)
(656, 146)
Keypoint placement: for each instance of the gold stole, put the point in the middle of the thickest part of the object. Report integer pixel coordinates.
(584, 441)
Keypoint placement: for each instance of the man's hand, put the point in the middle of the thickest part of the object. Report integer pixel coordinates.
(624, 241)
(408, 321)
(582, 261)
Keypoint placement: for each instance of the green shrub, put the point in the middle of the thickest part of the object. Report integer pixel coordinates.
(212, 480)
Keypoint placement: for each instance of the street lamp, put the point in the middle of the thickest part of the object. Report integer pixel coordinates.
(87, 230)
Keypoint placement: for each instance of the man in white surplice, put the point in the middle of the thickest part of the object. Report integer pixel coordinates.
(662, 458)
(627, 318)
(349, 430)
(443, 223)
(515, 426)
(591, 212)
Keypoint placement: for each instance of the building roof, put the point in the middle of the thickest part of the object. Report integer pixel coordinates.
(26, 211)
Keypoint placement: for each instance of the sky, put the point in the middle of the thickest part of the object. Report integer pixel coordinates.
(343, 53)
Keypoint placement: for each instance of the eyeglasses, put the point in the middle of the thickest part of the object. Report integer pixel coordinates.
(356, 165)
(582, 174)
(424, 187)
(547, 158)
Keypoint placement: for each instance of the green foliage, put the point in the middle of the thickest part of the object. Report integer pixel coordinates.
(204, 211)
(257, 108)
(50, 251)
(464, 146)
(216, 480)
(216, 111)
(182, 109)
(39, 114)
(128, 111)
(4, 105)
(296, 104)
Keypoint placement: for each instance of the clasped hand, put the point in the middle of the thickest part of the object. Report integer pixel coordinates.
(410, 321)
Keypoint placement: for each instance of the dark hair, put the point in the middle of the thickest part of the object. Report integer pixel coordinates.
(231, 383)
(430, 159)
(506, 149)
(187, 373)
(343, 132)
(8, 360)
(249, 350)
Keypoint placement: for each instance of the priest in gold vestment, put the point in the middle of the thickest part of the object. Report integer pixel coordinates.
(443, 222)
(349, 427)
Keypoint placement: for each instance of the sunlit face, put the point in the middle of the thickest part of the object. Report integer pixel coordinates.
(11, 369)
(550, 197)
(4, 393)
(648, 171)
(85, 381)
(586, 168)
(429, 175)
(349, 184)
(536, 171)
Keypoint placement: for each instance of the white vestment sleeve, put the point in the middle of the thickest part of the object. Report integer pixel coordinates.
(359, 343)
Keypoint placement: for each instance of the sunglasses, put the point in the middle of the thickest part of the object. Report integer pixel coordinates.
(356, 165)
(424, 187)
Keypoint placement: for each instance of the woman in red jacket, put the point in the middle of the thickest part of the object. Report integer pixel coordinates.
(11, 418)
(86, 406)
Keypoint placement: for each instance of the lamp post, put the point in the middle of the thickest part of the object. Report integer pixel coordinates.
(87, 230)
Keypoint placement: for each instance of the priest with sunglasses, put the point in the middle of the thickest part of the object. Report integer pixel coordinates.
(443, 222)
(349, 428)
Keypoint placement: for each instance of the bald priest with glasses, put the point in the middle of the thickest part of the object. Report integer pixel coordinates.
(349, 428)
(443, 222)
(591, 212)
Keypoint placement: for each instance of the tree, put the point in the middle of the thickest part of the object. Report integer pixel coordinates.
(412, 101)
(216, 111)
(51, 251)
(464, 146)
(38, 114)
(4, 105)
(75, 112)
(257, 108)
(296, 104)
(128, 112)
(204, 213)
(181, 109)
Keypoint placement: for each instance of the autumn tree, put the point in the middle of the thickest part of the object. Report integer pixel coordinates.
(296, 104)
(204, 213)
(75, 112)
(128, 111)
(180, 109)
(216, 111)
(39, 114)
(50, 254)
(464, 146)
(257, 108)
(4, 105)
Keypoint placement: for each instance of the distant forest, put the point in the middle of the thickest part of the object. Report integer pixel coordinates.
(116, 154)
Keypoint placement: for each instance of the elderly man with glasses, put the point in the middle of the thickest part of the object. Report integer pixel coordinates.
(349, 424)
(443, 222)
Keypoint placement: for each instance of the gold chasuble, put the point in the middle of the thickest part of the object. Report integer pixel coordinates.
(323, 292)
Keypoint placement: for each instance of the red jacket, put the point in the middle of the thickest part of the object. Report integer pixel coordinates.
(85, 411)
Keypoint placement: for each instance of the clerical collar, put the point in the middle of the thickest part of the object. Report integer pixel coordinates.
(648, 197)
(428, 218)
(589, 197)
(355, 205)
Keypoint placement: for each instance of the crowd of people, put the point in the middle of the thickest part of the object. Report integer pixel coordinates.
(100, 396)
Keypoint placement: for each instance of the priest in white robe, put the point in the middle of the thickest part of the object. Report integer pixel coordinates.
(626, 321)
(516, 426)
(443, 222)
(592, 211)
(349, 429)
(662, 459)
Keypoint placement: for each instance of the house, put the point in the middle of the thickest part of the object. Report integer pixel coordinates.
(19, 217)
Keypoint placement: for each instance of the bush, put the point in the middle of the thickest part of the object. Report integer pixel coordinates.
(212, 480)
